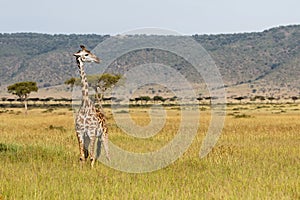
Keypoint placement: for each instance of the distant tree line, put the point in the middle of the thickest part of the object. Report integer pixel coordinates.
(105, 82)
(141, 100)
(261, 98)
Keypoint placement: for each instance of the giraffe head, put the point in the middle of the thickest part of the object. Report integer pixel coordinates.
(85, 55)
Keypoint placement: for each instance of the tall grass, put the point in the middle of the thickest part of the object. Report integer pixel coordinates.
(257, 157)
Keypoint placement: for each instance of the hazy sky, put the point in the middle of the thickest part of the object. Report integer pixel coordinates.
(118, 16)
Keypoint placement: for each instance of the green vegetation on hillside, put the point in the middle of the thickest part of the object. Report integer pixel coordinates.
(269, 58)
(46, 59)
(259, 63)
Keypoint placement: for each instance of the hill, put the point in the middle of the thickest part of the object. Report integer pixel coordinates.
(267, 61)
(46, 59)
(250, 63)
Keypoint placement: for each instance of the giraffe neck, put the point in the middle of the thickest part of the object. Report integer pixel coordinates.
(84, 83)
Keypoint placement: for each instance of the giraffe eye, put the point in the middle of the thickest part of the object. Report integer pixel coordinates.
(86, 55)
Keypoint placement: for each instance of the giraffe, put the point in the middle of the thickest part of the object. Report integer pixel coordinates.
(90, 122)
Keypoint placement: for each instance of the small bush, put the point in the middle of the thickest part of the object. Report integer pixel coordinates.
(4, 111)
(8, 147)
(59, 128)
(49, 110)
(242, 116)
(61, 113)
(122, 111)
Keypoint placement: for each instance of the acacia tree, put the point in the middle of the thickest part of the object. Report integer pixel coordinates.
(294, 98)
(239, 99)
(100, 83)
(145, 98)
(22, 90)
(158, 98)
(105, 82)
(71, 82)
(271, 99)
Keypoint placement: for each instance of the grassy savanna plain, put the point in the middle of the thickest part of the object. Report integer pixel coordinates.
(256, 157)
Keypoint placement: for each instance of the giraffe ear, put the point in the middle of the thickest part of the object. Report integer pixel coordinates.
(82, 47)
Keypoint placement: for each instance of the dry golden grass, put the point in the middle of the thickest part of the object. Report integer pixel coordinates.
(257, 157)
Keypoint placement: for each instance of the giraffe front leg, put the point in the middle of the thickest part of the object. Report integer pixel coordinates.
(82, 150)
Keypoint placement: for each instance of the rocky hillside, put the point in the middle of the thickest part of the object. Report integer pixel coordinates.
(269, 60)
(250, 63)
(46, 59)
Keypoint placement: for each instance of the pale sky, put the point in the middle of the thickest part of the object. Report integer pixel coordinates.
(117, 16)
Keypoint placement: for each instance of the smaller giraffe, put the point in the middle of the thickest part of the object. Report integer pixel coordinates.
(90, 121)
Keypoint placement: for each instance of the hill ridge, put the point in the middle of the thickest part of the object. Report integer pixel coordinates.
(266, 62)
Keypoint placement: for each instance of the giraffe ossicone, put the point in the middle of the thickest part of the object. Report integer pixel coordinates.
(90, 121)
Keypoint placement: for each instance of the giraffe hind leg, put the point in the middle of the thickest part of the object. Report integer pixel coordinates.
(105, 144)
(82, 149)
